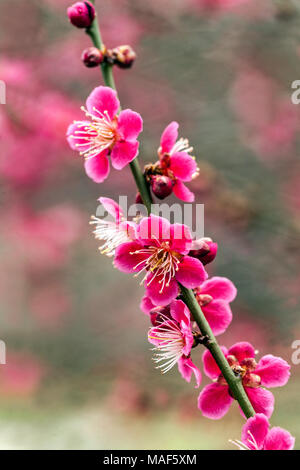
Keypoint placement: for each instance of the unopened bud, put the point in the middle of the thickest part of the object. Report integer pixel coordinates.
(162, 186)
(81, 14)
(159, 315)
(123, 56)
(91, 57)
(138, 199)
(204, 249)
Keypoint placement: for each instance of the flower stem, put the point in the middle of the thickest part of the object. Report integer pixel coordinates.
(189, 299)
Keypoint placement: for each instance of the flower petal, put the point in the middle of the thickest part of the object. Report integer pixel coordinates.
(273, 371)
(191, 272)
(112, 207)
(182, 192)
(146, 305)
(218, 314)
(153, 230)
(214, 401)
(97, 168)
(256, 429)
(242, 350)
(219, 288)
(181, 238)
(262, 400)
(123, 153)
(169, 137)
(153, 288)
(75, 138)
(103, 99)
(186, 368)
(279, 439)
(130, 124)
(126, 259)
(211, 369)
(180, 312)
(183, 166)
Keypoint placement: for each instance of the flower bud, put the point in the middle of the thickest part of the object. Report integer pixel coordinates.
(91, 57)
(159, 315)
(123, 56)
(138, 199)
(204, 249)
(81, 14)
(162, 186)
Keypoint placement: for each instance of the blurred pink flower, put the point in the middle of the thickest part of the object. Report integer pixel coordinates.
(50, 305)
(21, 375)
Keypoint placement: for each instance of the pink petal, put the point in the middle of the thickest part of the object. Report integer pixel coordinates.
(130, 228)
(218, 314)
(146, 305)
(183, 166)
(182, 192)
(169, 137)
(211, 369)
(130, 124)
(219, 288)
(180, 312)
(126, 259)
(165, 297)
(256, 427)
(186, 368)
(242, 350)
(123, 153)
(154, 334)
(74, 136)
(103, 98)
(214, 401)
(153, 230)
(112, 208)
(191, 272)
(273, 371)
(97, 168)
(279, 439)
(181, 238)
(262, 400)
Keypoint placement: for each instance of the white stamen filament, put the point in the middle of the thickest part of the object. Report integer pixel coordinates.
(161, 262)
(169, 350)
(97, 135)
(242, 446)
(111, 233)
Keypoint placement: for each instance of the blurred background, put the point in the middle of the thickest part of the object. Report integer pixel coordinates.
(79, 372)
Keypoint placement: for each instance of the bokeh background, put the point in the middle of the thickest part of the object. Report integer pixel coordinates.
(79, 372)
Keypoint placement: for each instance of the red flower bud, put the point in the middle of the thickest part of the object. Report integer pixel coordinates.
(204, 249)
(162, 186)
(123, 56)
(91, 57)
(138, 199)
(81, 14)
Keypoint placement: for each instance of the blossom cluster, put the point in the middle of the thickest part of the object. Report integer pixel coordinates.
(165, 257)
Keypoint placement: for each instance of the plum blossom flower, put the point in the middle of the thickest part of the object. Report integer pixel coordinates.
(116, 232)
(160, 252)
(214, 296)
(257, 435)
(106, 134)
(173, 338)
(215, 399)
(175, 161)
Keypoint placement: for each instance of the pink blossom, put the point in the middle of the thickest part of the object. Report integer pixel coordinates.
(21, 375)
(175, 161)
(173, 339)
(215, 399)
(257, 435)
(106, 134)
(214, 296)
(116, 232)
(160, 251)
